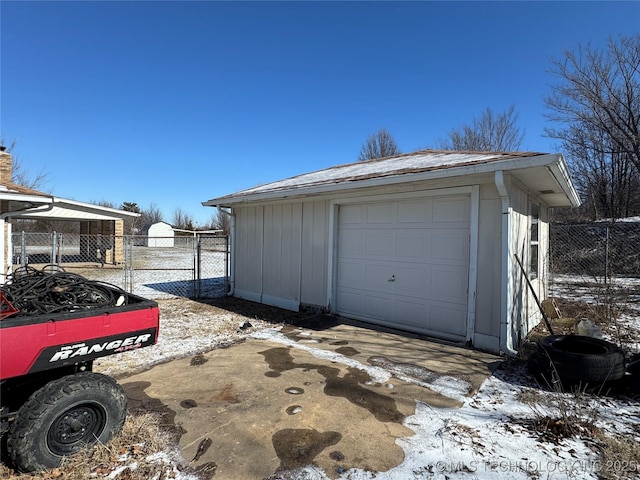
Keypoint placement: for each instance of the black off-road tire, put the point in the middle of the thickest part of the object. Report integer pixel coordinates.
(581, 359)
(64, 416)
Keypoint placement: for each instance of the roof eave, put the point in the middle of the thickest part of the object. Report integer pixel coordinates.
(26, 198)
(560, 172)
(554, 161)
(63, 203)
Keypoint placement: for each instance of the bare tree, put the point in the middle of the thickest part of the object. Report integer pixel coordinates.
(599, 90)
(491, 132)
(596, 102)
(608, 182)
(379, 145)
(19, 173)
(104, 203)
(182, 219)
(220, 221)
(151, 214)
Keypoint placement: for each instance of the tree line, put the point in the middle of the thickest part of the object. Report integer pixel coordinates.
(594, 111)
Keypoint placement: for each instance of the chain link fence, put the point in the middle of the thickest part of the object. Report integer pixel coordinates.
(595, 262)
(194, 266)
(584, 258)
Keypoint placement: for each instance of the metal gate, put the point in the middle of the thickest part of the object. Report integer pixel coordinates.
(193, 266)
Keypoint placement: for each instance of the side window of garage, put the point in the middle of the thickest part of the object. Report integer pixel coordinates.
(534, 241)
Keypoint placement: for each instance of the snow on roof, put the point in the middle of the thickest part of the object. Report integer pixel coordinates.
(417, 162)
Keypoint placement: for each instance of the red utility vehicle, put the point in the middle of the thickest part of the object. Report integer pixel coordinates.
(51, 403)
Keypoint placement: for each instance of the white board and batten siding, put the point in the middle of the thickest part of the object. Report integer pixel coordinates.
(281, 254)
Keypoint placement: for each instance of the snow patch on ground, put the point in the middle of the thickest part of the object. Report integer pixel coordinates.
(186, 328)
(377, 374)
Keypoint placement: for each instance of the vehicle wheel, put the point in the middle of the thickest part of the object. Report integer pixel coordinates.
(581, 359)
(64, 416)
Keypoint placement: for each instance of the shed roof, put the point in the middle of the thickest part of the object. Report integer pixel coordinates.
(157, 225)
(546, 174)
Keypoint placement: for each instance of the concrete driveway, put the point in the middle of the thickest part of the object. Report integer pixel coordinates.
(334, 396)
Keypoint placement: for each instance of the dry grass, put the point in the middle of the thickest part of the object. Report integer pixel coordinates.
(130, 454)
(558, 416)
(619, 456)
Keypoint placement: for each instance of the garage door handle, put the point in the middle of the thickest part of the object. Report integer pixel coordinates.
(393, 278)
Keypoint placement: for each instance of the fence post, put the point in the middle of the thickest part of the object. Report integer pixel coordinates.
(60, 248)
(198, 267)
(606, 256)
(227, 267)
(54, 247)
(127, 264)
(23, 249)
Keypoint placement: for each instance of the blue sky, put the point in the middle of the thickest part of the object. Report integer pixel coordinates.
(174, 103)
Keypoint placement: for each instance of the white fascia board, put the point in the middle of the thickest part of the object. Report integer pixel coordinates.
(505, 165)
(560, 173)
(23, 197)
(75, 205)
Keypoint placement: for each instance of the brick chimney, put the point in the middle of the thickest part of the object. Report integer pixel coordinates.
(6, 163)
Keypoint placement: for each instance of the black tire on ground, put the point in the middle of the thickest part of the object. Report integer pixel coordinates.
(633, 364)
(62, 417)
(581, 359)
(541, 368)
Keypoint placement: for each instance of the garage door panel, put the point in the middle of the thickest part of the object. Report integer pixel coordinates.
(352, 214)
(413, 244)
(408, 310)
(450, 246)
(376, 278)
(380, 243)
(415, 211)
(351, 243)
(381, 213)
(451, 210)
(351, 275)
(350, 301)
(449, 285)
(363, 305)
(422, 246)
(412, 281)
(447, 319)
(377, 307)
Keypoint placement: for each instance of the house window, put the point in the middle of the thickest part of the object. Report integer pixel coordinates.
(534, 236)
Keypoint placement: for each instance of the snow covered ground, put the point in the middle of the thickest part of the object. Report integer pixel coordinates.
(164, 273)
(510, 429)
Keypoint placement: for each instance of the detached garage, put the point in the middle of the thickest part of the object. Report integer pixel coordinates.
(425, 242)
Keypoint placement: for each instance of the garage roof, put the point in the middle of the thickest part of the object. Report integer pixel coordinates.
(545, 174)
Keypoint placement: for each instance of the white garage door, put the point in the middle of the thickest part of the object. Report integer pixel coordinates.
(406, 264)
